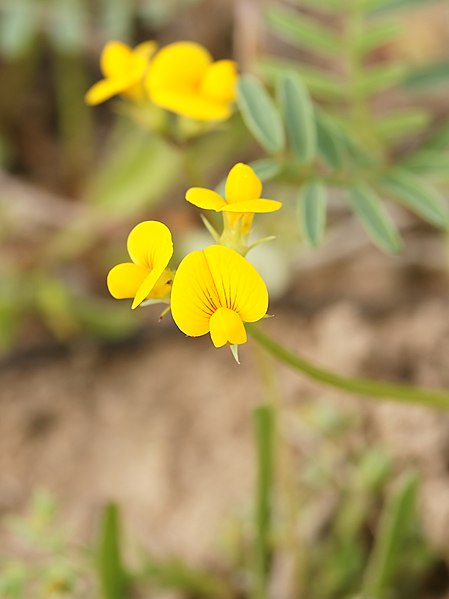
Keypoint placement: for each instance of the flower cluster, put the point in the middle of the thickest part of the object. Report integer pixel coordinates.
(215, 290)
(181, 77)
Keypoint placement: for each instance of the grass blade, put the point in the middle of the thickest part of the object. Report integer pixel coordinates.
(110, 570)
(396, 522)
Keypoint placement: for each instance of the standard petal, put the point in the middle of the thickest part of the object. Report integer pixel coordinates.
(205, 198)
(219, 81)
(194, 297)
(178, 66)
(242, 184)
(150, 244)
(115, 59)
(125, 279)
(237, 283)
(226, 326)
(190, 104)
(252, 206)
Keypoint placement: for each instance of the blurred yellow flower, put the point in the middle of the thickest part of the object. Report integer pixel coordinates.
(184, 79)
(216, 290)
(242, 197)
(150, 247)
(124, 70)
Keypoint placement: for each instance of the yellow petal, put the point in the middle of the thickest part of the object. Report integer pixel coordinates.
(150, 244)
(238, 284)
(190, 104)
(215, 278)
(194, 298)
(125, 279)
(219, 81)
(226, 326)
(242, 184)
(146, 49)
(252, 206)
(115, 59)
(205, 198)
(147, 286)
(105, 89)
(179, 66)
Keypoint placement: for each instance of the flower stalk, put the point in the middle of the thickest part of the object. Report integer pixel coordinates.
(358, 386)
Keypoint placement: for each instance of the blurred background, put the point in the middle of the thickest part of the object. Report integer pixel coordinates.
(100, 404)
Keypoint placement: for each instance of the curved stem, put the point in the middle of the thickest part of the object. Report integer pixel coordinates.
(359, 386)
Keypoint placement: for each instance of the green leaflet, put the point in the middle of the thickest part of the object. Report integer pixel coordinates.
(430, 76)
(414, 193)
(394, 126)
(320, 83)
(375, 35)
(266, 168)
(312, 212)
(330, 146)
(380, 77)
(373, 217)
(302, 31)
(260, 114)
(19, 24)
(396, 522)
(299, 118)
(430, 163)
(135, 173)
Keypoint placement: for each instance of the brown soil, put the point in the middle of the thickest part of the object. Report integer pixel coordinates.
(163, 425)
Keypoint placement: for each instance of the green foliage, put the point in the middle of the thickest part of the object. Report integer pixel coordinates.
(378, 224)
(312, 212)
(396, 522)
(299, 118)
(111, 572)
(260, 115)
(345, 143)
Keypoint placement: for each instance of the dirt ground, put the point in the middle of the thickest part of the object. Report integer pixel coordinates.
(162, 424)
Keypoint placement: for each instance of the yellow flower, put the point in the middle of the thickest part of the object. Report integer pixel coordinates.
(184, 79)
(150, 248)
(124, 70)
(242, 197)
(216, 290)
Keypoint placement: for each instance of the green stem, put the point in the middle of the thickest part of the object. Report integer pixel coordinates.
(358, 386)
(264, 425)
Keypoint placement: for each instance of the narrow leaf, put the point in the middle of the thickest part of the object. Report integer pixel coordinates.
(418, 196)
(330, 147)
(299, 117)
(260, 114)
(376, 35)
(374, 219)
(430, 76)
(320, 83)
(302, 31)
(396, 522)
(312, 212)
(394, 126)
(379, 78)
(266, 168)
(110, 569)
(431, 163)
